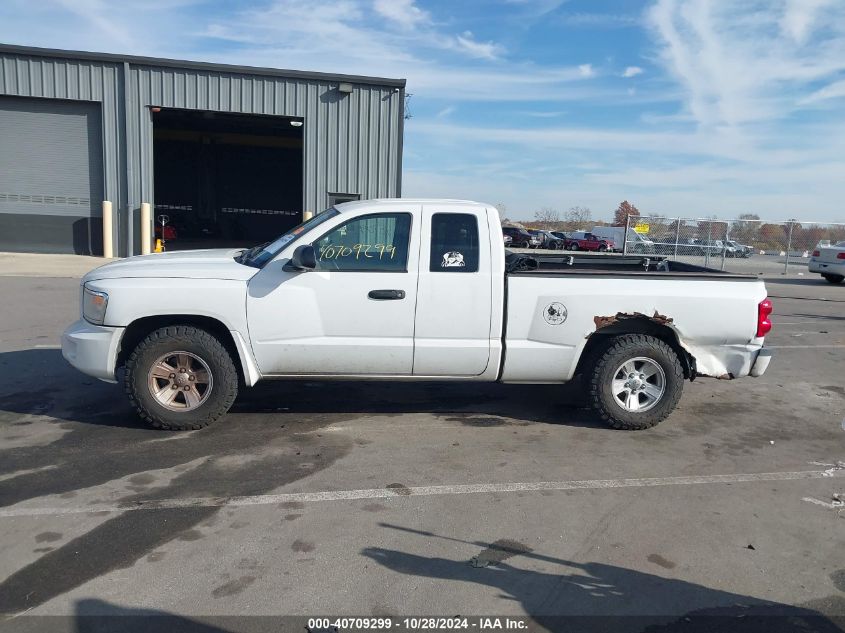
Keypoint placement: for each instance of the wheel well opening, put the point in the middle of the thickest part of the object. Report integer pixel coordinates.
(138, 330)
(600, 340)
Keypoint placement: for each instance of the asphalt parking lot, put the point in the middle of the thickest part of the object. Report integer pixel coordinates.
(316, 498)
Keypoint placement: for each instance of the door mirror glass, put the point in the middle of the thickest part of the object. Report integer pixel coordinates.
(304, 258)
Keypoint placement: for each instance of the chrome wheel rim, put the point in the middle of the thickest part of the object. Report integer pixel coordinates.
(180, 381)
(638, 384)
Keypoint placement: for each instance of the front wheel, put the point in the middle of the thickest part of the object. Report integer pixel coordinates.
(181, 378)
(636, 382)
(573, 247)
(834, 279)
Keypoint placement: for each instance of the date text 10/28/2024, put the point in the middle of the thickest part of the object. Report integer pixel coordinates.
(478, 623)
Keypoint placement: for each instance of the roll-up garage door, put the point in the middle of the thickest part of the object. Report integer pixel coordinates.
(51, 176)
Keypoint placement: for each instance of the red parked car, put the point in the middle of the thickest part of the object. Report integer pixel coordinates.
(579, 241)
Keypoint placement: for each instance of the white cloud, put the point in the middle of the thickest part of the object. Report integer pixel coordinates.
(801, 16)
(735, 62)
(586, 70)
(445, 112)
(536, 8)
(632, 71)
(402, 12)
(466, 43)
(833, 90)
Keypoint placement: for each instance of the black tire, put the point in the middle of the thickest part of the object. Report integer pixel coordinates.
(606, 362)
(573, 247)
(186, 338)
(834, 279)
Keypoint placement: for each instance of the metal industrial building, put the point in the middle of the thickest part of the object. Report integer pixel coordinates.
(229, 154)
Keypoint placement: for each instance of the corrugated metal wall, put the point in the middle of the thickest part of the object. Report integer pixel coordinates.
(353, 141)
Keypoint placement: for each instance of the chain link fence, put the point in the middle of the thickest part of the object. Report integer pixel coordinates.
(742, 246)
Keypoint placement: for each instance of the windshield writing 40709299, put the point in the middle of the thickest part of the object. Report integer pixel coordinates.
(358, 251)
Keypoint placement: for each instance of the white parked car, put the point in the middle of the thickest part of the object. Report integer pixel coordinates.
(829, 262)
(411, 290)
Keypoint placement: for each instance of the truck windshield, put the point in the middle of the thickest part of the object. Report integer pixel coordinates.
(259, 255)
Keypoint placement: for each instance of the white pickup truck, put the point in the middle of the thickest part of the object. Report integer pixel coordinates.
(412, 290)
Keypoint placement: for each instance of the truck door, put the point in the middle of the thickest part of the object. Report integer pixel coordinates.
(454, 296)
(353, 315)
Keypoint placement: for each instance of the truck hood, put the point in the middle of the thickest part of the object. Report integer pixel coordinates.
(216, 263)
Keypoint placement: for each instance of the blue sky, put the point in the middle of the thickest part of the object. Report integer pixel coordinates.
(688, 107)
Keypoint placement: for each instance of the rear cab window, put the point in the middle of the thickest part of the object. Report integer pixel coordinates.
(454, 243)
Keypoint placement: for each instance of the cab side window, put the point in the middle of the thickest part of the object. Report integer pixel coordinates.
(454, 243)
(368, 243)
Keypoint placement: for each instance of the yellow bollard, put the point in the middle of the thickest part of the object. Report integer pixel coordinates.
(159, 246)
(108, 247)
(146, 225)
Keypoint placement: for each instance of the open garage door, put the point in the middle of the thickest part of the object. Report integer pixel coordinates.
(51, 176)
(225, 179)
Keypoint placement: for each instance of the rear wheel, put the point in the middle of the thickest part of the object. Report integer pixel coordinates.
(181, 378)
(573, 247)
(636, 382)
(834, 279)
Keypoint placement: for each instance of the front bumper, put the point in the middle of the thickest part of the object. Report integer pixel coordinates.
(92, 349)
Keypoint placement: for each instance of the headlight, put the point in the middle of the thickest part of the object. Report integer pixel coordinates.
(94, 305)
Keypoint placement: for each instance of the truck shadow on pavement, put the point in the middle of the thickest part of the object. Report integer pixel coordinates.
(594, 596)
(66, 439)
(40, 382)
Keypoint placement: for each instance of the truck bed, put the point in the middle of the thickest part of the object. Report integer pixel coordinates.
(555, 303)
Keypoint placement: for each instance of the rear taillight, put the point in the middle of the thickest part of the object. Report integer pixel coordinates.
(764, 325)
(840, 255)
(816, 253)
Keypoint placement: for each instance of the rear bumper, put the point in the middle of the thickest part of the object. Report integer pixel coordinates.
(826, 268)
(761, 363)
(92, 349)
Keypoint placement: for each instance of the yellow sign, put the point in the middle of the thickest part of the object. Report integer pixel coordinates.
(641, 228)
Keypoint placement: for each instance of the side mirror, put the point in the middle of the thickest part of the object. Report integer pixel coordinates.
(303, 259)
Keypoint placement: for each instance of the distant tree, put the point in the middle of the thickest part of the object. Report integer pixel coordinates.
(712, 229)
(501, 208)
(577, 218)
(547, 218)
(771, 236)
(746, 229)
(625, 209)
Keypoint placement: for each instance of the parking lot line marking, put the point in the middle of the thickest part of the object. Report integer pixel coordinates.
(829, 505)
(421, 491)
(53, 346)
(804, 346)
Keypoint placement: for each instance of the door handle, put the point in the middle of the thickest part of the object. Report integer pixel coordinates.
(386, 295)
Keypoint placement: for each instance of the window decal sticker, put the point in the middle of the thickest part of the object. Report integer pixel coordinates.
(452, 259)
